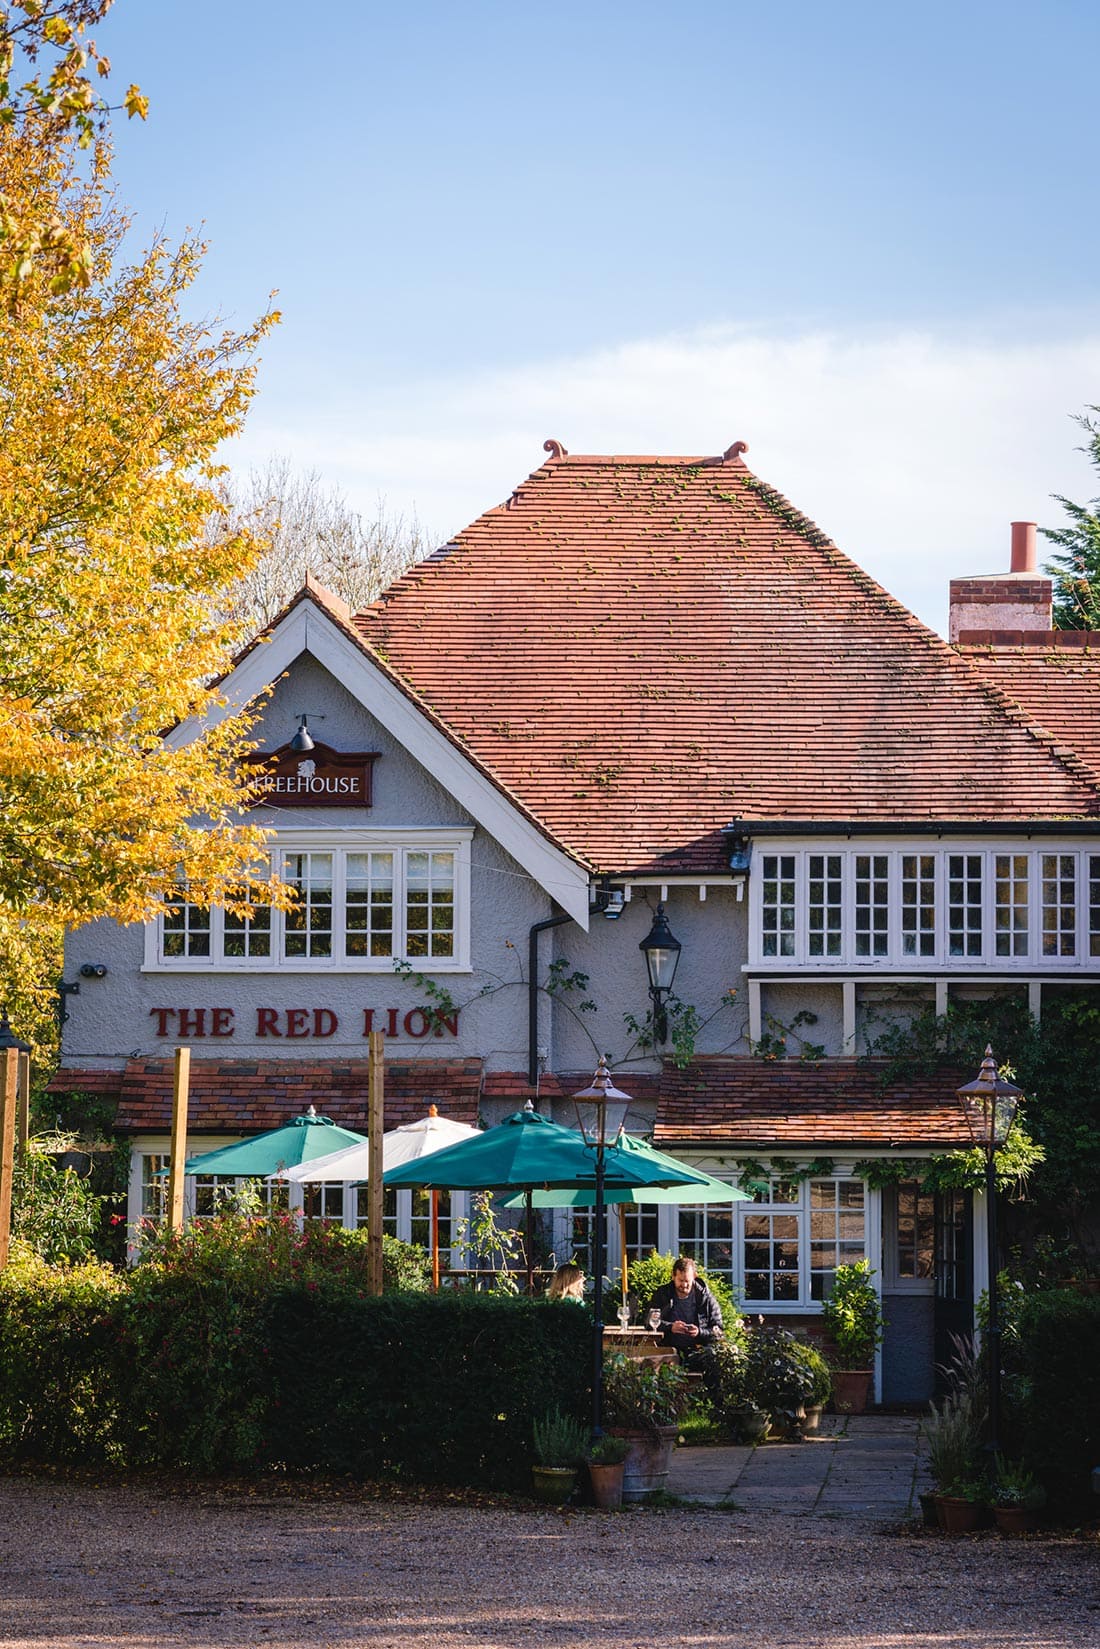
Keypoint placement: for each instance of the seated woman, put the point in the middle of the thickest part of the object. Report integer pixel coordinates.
(567, 1283)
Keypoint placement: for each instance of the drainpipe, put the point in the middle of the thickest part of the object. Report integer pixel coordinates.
(533, 991)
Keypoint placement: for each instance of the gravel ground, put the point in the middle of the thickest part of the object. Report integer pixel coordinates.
(144, 1568)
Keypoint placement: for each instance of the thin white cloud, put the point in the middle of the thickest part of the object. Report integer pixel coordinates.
(913, 451)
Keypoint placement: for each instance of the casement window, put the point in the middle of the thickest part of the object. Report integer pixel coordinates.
(781, 1249)
(943, 907)
(363, 901)
(910, 1238)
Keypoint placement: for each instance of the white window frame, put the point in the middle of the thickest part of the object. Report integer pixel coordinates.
(340, 843)
(941, 849)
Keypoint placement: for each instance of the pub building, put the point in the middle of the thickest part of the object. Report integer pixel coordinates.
(641, 690)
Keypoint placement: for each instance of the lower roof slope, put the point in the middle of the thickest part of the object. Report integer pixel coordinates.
(643, 649)
(1055, 685)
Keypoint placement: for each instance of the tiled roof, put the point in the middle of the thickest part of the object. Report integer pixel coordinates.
(731, 1103)
(1055, 679)
(643, 649)
(250, 1096)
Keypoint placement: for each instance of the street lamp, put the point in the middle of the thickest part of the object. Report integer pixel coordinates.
(601, 1113)
(662, 953)
(989, 1104)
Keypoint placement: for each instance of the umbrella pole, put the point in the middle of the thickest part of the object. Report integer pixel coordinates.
(529, 1233)
(435, 1241)
(622, 1249)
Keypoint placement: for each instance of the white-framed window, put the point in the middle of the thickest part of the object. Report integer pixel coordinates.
(879, 906)
(365, 900)
(909, 1246)
(781, 1250)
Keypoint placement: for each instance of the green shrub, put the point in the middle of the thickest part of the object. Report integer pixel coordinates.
(60, 1361)
(638, 1396)
(608, 1451)
(54, 1211)
(559, 1439)
(1051, 1393)
(953, 1432)
(852, 1315)
(778, 1376)
(821, 1381)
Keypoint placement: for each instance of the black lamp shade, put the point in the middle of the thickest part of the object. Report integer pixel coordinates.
(989, 1104)
(302, 741)
(661, 950)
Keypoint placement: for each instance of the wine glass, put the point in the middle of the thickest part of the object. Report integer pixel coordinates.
(623, 1315)
(654, 1319)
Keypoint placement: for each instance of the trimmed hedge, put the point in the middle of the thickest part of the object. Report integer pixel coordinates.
(1051, 1359)
(226, 1352)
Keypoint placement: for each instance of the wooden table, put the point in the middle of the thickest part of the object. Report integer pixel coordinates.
(643, 1344)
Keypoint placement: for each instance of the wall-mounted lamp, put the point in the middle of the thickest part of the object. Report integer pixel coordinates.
(739, 849)
(612, 902)
(93, 970)
(302, 740)
(661, 950)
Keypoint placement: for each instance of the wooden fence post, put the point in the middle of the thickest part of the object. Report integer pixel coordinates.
(375, 1107)
(9, 1092)
(178, 1148)
(23, 1107)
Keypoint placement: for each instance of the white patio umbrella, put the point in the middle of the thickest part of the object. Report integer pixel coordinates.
(400, 1145)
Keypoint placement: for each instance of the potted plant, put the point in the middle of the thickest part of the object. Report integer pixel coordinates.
(1016, 1495)
(960, 1504)
(606, 1465)
(821, 1388)
(731, 1399)
(560, 1442)
(778, 1378)
(854, 1322)
(644, 1403)
(953, 1433)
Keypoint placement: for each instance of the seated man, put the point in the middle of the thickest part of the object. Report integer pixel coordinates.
(691, 1319)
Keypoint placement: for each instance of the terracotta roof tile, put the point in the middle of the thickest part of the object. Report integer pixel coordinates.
(642, 650)
(1054, 678)
(751, 1103)
(251, 1096)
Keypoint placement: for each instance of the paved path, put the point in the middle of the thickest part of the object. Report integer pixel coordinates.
(868, 1468)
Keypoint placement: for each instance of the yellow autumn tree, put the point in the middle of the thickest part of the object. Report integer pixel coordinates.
(114, 404)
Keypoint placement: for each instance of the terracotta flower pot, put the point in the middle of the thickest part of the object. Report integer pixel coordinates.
(957, 1516)
(1014, 1519)
(851, 1389)
(607, 1484)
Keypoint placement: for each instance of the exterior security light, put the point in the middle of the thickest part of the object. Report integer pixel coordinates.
(302, 741)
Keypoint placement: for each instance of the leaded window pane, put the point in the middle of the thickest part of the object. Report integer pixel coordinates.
(918, 904)
(964, 904)
(1010, 904)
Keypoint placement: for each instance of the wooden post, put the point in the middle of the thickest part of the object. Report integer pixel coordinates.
(9, 1090)
(178, 1148)
(23, 1108)
(375, 1105)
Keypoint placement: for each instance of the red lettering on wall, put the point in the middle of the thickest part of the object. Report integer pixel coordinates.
(368, 1021)
(267, 1022)
(162, 1016)
(416, 1023)
(297, 1022)
(191, 1022)
(448, 1021)
(391, 1022)
(221, 1022)
(324, 1022)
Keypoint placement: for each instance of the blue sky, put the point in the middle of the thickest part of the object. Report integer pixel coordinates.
(862, 237)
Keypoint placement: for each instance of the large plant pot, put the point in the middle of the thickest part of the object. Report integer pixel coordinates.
(851, 1389)
(812, 1419)
(750, 1423)
(553, 1484)
(928, 1512)
(645, 1469)
(957, 1516)
(1014, 1519)
(607, 1485)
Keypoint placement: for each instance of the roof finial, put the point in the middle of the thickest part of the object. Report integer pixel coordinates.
(554, 448)
(735, 451)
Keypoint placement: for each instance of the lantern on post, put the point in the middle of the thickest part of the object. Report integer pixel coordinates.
(601, 1115)
(661, 950)
(989, 1105)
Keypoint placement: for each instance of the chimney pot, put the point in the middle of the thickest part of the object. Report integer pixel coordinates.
(1024, 559)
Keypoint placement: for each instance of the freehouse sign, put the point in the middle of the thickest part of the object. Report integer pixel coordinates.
(323, 778)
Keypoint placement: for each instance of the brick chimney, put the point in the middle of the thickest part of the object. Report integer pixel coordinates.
(1011, 604)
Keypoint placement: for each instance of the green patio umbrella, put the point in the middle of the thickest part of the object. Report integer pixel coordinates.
(299, 1140)
(708, 1190)
(527, 1153)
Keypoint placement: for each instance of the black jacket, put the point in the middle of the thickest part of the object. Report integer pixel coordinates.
(708, 1313)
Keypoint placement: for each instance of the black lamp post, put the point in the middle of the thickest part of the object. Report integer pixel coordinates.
(989, 1104)
(661, 950)
(601, 1112)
